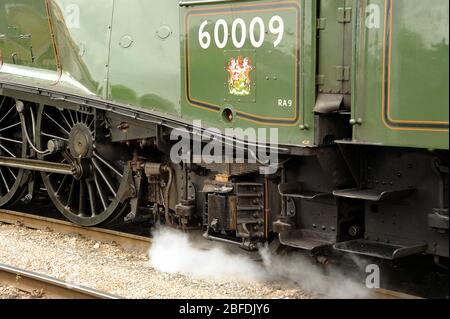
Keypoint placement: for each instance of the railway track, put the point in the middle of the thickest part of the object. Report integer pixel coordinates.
(127, 241)
(45, 286)
(391, 294)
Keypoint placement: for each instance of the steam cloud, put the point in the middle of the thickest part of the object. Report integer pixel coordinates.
(173, 252)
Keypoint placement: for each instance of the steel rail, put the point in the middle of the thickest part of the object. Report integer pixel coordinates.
(47, 286)
(128, 242)
(391, 294)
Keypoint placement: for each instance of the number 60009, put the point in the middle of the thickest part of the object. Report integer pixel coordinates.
(222, 32)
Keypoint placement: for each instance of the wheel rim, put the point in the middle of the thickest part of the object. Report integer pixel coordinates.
(98, 196)
(12, 144)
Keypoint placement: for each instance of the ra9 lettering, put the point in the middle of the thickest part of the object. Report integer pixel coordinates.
(239, 37)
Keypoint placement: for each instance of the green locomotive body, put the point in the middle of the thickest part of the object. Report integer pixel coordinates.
(357, 90)
(401, 86)
(93, 53)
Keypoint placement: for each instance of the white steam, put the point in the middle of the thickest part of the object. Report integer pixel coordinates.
(173, 252)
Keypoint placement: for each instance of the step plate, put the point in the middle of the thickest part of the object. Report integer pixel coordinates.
(380, 250)
(305, 239)
(373, 195)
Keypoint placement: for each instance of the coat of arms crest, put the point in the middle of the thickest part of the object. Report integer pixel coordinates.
(239, 71)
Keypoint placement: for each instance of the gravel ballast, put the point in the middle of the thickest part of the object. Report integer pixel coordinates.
(7, 292)
(108, 268)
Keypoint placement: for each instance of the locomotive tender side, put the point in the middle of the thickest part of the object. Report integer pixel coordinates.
(357, 90)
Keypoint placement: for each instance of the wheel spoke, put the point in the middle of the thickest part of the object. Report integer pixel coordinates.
(4, 180)
(105, 178)
(7, 150)
(82, 200)
(12, 173)
(62, 185)
(71, 197)
(10, 140)
(65, 119)
(90, 125)
(6, 115)
(107, 164)
(57, 124)
(10, 127)
(92, 198)
(55, 137)
(71, 117)
(100, 192)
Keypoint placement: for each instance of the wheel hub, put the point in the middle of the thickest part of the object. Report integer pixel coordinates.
(81, 143)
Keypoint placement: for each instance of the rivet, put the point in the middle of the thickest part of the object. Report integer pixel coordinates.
(126, 41)
(304, 127)
(358, 121)
(164, 32)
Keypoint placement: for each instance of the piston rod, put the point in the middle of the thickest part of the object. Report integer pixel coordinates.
(39, 166)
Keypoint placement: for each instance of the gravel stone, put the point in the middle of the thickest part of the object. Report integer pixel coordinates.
(110, 269)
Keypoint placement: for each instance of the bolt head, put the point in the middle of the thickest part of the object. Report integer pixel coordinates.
(20, 106)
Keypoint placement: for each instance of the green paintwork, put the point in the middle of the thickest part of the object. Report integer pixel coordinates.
(82, 41)
(284, 72)
(147, 73)
(24, 34)
(419, 78)
(134, 52)
(335, 46)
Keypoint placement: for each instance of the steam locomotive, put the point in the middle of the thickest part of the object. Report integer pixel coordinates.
(125, 109)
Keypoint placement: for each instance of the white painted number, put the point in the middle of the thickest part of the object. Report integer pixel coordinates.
(285, 103)
(204, 37)
(257, 32)
(278, 29)
(221, 23)
(241, 23)
(262, 32)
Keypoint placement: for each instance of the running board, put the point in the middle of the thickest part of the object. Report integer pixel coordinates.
(39, 166)
(306, 239)
(380, 250)
(296, 190)
(373, 195)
